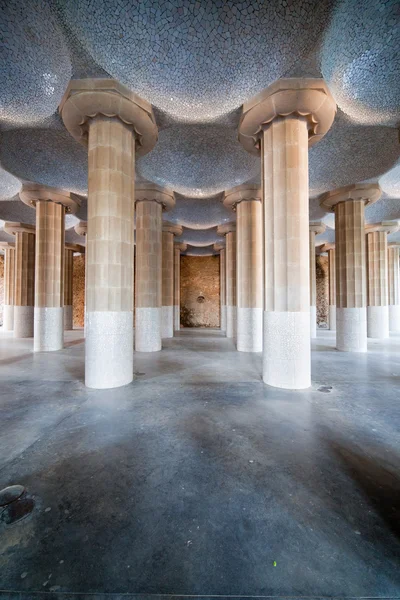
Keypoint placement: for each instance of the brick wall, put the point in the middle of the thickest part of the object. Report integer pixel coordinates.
(200, 278)
(322, 276)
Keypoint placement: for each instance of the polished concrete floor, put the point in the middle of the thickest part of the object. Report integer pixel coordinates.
(197, 479)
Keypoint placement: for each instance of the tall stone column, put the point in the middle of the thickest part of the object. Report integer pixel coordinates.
(167, 311)
(51, 205)
(151, 200)
(348, 204)
(9, 277)
(246, 200)
(24, 282)
(70, 249)
(330, 249)
(394, 286)
(117, 125)
(229, 231)
(315, 229)
(220, 247)
(178, 248)
(280, 124)
(377, 279)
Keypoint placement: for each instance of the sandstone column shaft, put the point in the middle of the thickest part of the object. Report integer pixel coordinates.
(177, 287)
(230, 284)
(351, 292)
(377, 285)
(167, 312)
(394, 288)
(287, 278)
(222, 284)
(49, 277)
(68, 288)
(24, 289)
(109, 254)
(148, 276)
(249, 269)
(332, 289)
(9, 280)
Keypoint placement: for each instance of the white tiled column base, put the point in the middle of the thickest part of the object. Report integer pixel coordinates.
(68, 317)
(223, 317)
(108, 349)
(177, 318)
(394, 317)
(48, 329)
(378, 322)
(8, 317)
(351, 329)
(148, 330)
(249, 329)
(287, 350)
(231, 321)
(313, 321)
(332, 317)
(23, 321)
(167, 322)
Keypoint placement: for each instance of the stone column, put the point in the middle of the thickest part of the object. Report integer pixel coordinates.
(117, 125)
(24, 282)
(246, 200)
(220, 247)
(280, 124)
(348, 204)
(315, 229)
(9, 277)
(377, 279)
(167, 310)
(229, 230)
(394, 286)
(330, 249)
(51, 205)
(178, 248)
(150, 202)
(70, 249)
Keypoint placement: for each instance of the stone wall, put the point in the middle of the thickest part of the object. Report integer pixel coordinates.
(1, 287)
(78, 302)
(322, 274)
(200, 279)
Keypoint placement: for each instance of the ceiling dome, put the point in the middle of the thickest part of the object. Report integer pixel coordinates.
(36, 67)
(196, 60)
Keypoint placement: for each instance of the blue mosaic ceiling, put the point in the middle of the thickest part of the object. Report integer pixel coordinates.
(197, 62)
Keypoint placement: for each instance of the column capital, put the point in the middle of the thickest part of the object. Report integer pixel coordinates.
(34, 192)
(327, 247)
(76, 248)
(180, 246)
(81, 228)
(384, 226)
(7, 245)
(218, 246)
(86, 99)
(226, 228)
(317, 228)
(172, 228)
(241, 193)
(394, 245)
(14, 228)
(367, 192)
(150, 192)
(301, 98)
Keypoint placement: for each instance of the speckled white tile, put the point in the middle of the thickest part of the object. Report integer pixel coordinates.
(351, 329)
(8, 317)
(48, 329)
(249, 329)
(378, 322)
(231, 321)
(68, 318)
(167, 322)
(332, 317)
(147, 329)
(23, 321)
(394, 317)
(108, 349)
